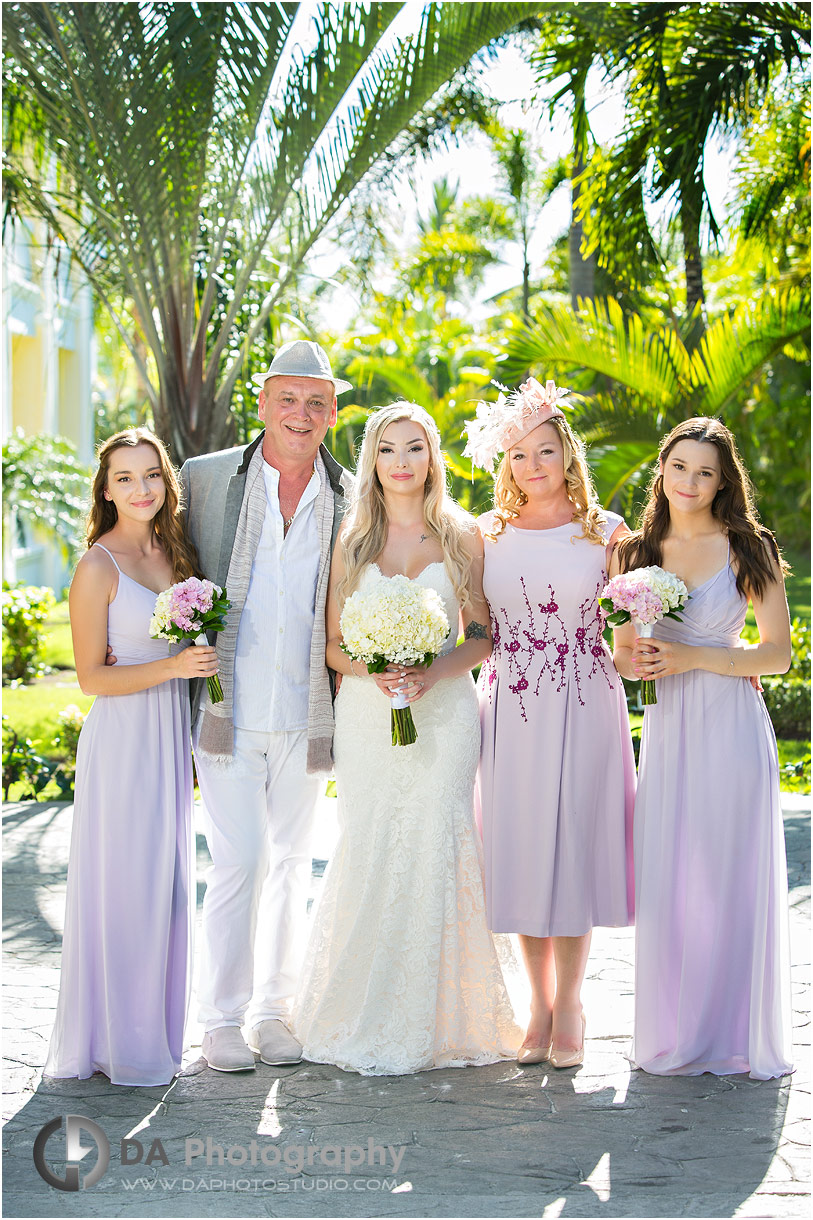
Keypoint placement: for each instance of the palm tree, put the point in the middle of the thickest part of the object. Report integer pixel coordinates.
(44, 484)
(567, 47)
(643, 380)
(688, 71)
(161, 141)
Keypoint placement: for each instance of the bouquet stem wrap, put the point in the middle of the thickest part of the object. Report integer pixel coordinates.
(212, 684)
(403, 726)
(648, 696)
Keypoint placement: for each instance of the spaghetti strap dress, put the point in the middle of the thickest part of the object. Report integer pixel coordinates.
(126, 948)
(712, 968)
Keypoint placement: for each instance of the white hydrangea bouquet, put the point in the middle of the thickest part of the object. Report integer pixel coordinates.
(186, 611)
(392, 620)
(644, 596)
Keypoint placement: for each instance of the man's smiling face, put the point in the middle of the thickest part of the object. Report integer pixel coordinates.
(297, 413)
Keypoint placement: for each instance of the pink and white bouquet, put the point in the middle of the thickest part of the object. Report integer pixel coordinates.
(643, 596)
(394, 620)
(188, 610)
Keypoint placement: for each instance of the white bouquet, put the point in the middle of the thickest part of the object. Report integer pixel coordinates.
(393, 620)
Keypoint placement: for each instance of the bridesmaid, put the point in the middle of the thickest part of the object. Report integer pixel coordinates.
(712, 989)
(126, 948)
(557, 773)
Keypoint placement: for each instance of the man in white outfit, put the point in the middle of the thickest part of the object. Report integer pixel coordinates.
(264, 520)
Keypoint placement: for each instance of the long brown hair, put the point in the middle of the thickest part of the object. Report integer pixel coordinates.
(587, 510)
(733, 506)
(168, 521)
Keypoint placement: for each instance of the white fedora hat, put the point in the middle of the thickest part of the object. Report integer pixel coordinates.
(302, 358)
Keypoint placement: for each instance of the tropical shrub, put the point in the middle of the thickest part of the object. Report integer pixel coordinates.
(65, 742)
(25, 611)
(22, 763)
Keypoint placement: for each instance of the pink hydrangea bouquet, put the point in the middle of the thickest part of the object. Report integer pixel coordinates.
(188, 610)
(643, 596)
(392, 619)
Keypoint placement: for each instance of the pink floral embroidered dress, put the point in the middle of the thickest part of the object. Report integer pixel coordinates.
(556, 784)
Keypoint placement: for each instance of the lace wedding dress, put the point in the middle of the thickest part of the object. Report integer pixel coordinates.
(401, 972)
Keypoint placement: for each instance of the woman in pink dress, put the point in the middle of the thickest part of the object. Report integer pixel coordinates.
(125, 951)
(712, 987)
(557, 773)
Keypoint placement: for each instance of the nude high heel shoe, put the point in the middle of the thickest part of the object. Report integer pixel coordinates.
(527, 1055)
(569, 1059)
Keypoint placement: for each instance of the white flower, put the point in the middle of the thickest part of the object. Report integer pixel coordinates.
(160, 621)
(393, 617)
(669, 587)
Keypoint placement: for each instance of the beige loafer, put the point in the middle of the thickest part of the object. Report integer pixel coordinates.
(274, 1044)
(225, 1050)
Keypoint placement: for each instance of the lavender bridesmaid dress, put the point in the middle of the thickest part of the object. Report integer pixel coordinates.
(128, 919)
(712, 979)
(556, 783)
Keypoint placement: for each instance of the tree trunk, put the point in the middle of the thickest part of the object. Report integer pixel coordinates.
(582, 270)
(692, 258)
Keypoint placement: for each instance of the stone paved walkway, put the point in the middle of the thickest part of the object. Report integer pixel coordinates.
(492, 1141)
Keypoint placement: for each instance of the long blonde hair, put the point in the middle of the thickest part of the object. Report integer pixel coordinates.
(366, 523)
(168, 521)
(587, 510)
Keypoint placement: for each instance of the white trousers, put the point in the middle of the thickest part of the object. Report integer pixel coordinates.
(259, 818)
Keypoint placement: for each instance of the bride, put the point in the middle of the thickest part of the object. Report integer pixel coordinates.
(401, 972)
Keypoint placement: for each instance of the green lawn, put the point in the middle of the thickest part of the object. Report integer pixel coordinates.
(58, 651)
(798, 584)
(33, 711)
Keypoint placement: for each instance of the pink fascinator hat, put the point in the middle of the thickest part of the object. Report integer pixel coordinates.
(499, 425)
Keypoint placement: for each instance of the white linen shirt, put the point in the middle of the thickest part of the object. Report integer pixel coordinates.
(272, 658)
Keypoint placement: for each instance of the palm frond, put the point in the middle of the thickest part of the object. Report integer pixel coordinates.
(736, 346)
(601, 339)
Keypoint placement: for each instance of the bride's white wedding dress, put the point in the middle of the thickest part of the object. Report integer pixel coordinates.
(401, 972)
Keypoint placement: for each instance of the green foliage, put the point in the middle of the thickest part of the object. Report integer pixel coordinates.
(43, 484)
(202, 149)
(633, 382)
(25, 611)
(688, 71)
(788, 705)
(22, 764)
(787, 696)
(794, 766)
(64, 746)
(773, 175)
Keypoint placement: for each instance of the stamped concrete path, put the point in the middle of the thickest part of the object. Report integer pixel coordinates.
(315, 1141)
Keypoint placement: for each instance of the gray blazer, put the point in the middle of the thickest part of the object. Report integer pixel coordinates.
(213, 487)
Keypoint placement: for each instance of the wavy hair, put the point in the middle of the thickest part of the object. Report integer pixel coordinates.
(733, 506)
(168, 521)
(366, 523)
(587, 510)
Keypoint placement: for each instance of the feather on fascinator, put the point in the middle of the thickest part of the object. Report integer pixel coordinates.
(499, 425)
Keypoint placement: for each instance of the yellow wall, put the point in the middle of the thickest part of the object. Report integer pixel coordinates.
(27, 383)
